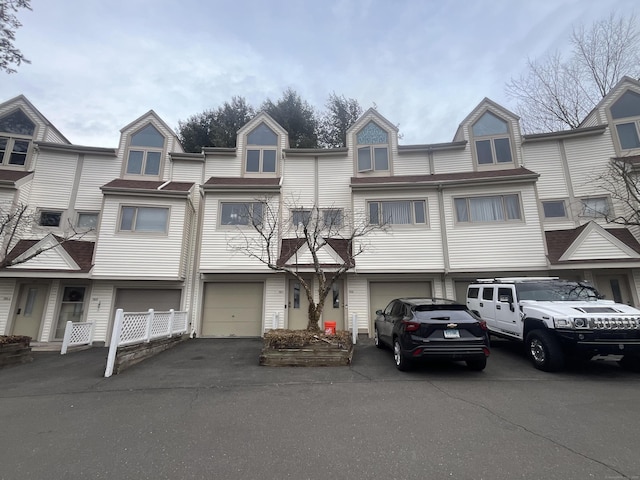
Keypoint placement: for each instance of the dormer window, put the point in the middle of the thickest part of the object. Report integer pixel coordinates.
(373, 148)
(145, 152)
(16, 133)
(626, 117)
(491, 136)
(262, 145)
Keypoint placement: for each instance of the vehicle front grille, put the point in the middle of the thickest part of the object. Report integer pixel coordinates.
(614, 323)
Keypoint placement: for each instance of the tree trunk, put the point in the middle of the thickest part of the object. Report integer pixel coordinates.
(315, 311)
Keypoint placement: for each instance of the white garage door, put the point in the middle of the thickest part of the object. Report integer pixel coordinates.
(232, 310)
(141, 299)
(381, 293)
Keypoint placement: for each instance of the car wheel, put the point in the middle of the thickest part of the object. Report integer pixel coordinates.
(477, 364)
(630, 362)
(544, 350)
(402, 363)
(376, 338)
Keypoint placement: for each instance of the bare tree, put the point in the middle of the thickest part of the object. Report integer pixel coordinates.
(9, 23)
(16, 222)
(557, 93)
(275, 240)
(621, 180)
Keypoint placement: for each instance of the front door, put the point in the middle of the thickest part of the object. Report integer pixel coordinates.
(28, 315)
(333, 309)
(614, 287)
(298, 305)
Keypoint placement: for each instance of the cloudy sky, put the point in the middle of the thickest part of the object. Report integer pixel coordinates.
(425, 64)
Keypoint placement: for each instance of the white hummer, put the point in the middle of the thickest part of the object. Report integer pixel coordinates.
(556, 318)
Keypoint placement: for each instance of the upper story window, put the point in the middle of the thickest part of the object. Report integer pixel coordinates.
(595, 207)
(241, 213)
(262, 145)
(626, 117)
(49, 218)
(492, 140)
(332, 217)
(300, 217)
(497, 208)
(145, 152)
(373, 148)
(144, 219)
(397, 212)
(554, 209)
(16, 133)
(87, 220)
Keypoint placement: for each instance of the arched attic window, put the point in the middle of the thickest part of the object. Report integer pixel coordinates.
(373, 148)
(492, 140)
(262, 143)
(626, 117)
(16, 134)
(145, 151)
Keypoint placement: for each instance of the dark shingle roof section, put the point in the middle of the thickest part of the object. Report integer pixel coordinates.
(558, 241)
(340, 245)
(80, 250)
(441, 178)
(242, 183)
(12, 176)
(147, 186)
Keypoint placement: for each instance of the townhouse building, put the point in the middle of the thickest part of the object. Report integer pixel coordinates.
(155, 227)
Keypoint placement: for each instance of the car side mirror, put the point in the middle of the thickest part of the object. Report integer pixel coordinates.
(378, 312)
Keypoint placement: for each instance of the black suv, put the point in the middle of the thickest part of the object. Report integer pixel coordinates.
(432, 328)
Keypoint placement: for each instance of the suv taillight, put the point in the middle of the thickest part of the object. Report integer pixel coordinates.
(483, 324)
(410, 326)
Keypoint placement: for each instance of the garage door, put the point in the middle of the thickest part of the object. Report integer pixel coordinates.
(381, 293)
(141, 300)
(232, 310)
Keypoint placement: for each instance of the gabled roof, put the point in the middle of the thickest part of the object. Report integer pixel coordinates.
(592, 243)
(147, 187)
(269, 121)
(335, 252)
(614, 91)
(149, 114)
(59, 255)
(485, 104)
(23, 99)
(366, 118)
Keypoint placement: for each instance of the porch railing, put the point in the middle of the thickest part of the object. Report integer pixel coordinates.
(77, 333)
(141, 327)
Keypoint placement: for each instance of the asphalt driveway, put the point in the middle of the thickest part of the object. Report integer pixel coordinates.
(205, 409)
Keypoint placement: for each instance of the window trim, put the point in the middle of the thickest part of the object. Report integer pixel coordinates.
(506, 219)
(88, 212)
(372, 147)
(492, 139)
(294, 211)
(133, 231)
(221, 204)
(615, 122)
(607, 200)
(145, 151)
(261, 149)
(566, 215)
(413, 202)
(42, 211)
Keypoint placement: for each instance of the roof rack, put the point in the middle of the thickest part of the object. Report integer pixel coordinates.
(515, 279)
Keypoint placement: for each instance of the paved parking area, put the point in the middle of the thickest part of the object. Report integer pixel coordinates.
(205, 409)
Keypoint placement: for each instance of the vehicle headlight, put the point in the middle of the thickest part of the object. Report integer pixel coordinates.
(580, 323)
(562, 323)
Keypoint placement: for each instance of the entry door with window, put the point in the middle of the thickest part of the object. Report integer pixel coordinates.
(298, 305)
(28, 315)
(614, 287)
(71, 309)
(333, 309)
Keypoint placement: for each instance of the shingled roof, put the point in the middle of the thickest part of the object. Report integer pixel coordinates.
(290, 246)
(81, 251)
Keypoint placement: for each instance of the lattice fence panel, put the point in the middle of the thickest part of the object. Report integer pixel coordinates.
(81, 333)
(160, 326)
(134, 328)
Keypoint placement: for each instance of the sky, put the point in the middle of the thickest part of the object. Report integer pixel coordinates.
(98, 65)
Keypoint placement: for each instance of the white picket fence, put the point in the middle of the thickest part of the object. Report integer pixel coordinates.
(75, 334)
(140, 327)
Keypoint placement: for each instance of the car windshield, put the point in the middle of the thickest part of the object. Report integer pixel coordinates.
(556, 291)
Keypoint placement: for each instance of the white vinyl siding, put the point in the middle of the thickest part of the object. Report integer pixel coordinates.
(53, 169)
(334, 179)
(411, 164)
(7, 291)
(453, 161)
(299, 181)
(587, 157)
(275, 299)
(124, 254)
(98, 308)
(545, 159)
(496, 245)
(403, 248)
(96, 172)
